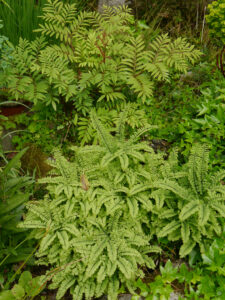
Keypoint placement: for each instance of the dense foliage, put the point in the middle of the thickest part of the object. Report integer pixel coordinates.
(92, 60)
(189, 201)
(216, 18)
(106, 195)
(125, 144)
(15, 189)
(91, 221)
(204, 281)
(99, 58)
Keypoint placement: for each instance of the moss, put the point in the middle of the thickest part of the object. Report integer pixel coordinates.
(35, 160)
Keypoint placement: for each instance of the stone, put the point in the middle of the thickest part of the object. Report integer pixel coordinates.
(174, 296)
(6, 141)
(101, 3)
(121, 297)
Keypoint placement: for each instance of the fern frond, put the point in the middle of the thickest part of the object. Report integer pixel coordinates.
(189, 209)
(198, 167)
(169, 228)
(186, 248)
(105, 137)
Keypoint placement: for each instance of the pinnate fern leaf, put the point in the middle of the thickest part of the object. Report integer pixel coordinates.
(170, 227)
(189, 209)
(186, 248)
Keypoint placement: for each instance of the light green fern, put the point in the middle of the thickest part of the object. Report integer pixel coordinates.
(91, 222)
(193, 201)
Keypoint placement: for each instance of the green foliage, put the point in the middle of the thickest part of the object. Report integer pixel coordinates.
(85, 60)
(40, 128)
(48, 129)
(2, 118)
(11, 189)
(21, 17)
(216, 18)
(5, 50)
(15, 190)
(92, 223)
(190, 110)
(26, 287)
(133, 117)
(206, 122)
(161, 287)
(189, 201)
(198, 282)
(100, 60)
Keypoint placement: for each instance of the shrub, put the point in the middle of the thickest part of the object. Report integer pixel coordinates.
(5, 51)
(216, 18)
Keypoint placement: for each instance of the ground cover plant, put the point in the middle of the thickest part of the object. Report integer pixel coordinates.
(207, 122)
(26, 287)
(204, 281)
(96, 207)
(190, 110)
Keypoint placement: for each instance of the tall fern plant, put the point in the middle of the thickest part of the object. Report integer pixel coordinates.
(189, 201)
(85, 60)
(93, 59)
(91, 222)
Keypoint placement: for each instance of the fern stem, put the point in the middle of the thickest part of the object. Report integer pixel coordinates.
(56, 270)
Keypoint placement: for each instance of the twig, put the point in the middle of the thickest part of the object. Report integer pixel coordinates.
(203, 24)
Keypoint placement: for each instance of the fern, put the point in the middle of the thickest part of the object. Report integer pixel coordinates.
(196, 199)
(91, 222)
(94, 61)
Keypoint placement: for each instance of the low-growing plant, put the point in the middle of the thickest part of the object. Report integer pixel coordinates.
(15, 190)
(203, 280)
(40, 128)
(92, 223)
(48, 129)
(26, 288)
(206, 122)
(186, 113)
(162, 285)
(189, 201)
(184, 282)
